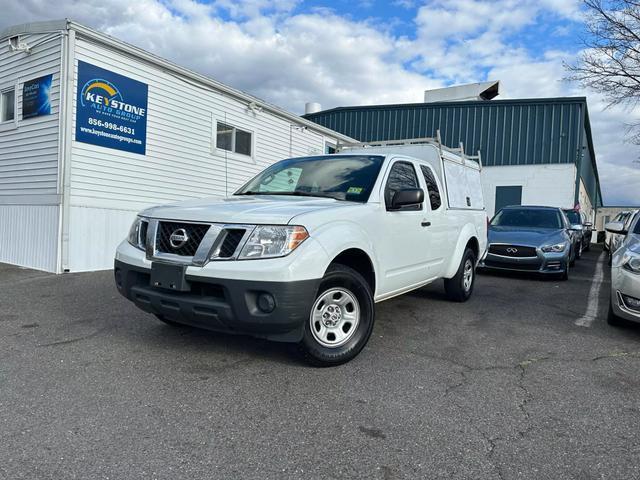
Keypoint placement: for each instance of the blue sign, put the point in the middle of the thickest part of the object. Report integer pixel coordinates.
(111, 110)
(36, 98)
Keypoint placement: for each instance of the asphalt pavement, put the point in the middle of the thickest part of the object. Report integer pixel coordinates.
(524, 381)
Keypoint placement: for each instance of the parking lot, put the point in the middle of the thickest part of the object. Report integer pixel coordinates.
(526, 380)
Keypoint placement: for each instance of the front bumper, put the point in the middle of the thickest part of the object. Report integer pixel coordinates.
(221, 304)
(624, 283)
(544, 263)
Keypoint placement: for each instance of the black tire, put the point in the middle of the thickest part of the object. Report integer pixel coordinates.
(564, 276)
(588, 247)
(455, 287)
(348, 280)
(169, 322)
(612, 318)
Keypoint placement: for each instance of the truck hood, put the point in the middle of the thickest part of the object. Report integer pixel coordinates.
(251, 209)
(525, 236)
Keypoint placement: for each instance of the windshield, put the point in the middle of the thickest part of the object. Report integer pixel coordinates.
(527, 218)
(573, 216)
(335, 176)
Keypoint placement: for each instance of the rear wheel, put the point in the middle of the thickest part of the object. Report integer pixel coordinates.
(460, 287)
(340, 320)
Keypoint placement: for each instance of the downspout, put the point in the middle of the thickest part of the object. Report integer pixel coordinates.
(67, 135)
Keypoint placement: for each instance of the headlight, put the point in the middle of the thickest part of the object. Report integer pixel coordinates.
(631, 262)
(138, 233)
(557, 248)
(269, 241)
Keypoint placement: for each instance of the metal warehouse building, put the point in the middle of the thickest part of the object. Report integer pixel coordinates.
(92, 130)
(534, 151)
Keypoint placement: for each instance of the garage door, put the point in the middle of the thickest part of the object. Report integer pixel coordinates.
(505, 196)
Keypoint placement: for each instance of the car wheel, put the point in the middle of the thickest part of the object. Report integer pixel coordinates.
(169, 322)
(588, 246)
(460, 287)
(612, 318)
(564, 276)
(340, 320)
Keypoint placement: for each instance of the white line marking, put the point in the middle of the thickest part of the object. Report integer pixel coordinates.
(594, 296)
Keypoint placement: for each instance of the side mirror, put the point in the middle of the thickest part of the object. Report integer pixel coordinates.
(588, 225)
(576, 228)
(407, 196)
(615, 227)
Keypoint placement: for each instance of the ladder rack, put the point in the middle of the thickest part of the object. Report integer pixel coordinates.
(437, 141)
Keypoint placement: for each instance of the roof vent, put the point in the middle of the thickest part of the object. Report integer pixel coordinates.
(470, 91)
(312, 107)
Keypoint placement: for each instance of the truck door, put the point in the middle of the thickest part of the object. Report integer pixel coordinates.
(440, 247)
(405, 240)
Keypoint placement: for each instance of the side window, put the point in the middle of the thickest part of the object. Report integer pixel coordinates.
(432, 187)
(401, 176)
(7, 105)
(233, 139)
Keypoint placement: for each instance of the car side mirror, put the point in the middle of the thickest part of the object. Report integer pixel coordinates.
(588, 225)
(615, 227)
(576, 227)
(407, 196)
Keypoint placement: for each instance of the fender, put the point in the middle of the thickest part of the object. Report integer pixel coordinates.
(468, 232)
(337, 236)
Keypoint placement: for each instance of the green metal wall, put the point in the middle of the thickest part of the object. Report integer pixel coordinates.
(506, 132)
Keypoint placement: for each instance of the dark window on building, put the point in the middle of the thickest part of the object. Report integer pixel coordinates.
(506, 196)
(7, 105)
(401, 176)
(432, 187)
(233, 139)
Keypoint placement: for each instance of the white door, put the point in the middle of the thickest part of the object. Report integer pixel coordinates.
(404, 243)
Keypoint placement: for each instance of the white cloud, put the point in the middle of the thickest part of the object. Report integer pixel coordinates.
(276, 51)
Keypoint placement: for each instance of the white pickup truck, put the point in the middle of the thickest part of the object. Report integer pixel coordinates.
(302, 252)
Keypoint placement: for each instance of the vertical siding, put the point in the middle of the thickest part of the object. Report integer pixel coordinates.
(28, 236)
(29, 148)
(506, 133)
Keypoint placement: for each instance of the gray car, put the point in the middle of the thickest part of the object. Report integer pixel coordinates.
(625, 273)
(531, 239)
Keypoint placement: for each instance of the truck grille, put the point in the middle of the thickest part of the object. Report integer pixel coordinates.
(232, 239)
(516, 251)
(194, 234)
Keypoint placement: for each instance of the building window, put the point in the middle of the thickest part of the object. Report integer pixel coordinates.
(7, 105)
(432, 187)
(233, 139)
(329, 148)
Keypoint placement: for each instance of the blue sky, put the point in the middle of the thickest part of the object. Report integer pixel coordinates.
(343, 52)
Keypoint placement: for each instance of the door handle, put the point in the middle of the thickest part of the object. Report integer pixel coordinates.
(425, 224)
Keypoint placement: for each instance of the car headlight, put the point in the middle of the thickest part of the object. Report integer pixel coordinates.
(269, 241)
(557, 248)
(138, 233)
(631, 262)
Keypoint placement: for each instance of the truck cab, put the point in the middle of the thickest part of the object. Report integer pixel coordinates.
(302, 252)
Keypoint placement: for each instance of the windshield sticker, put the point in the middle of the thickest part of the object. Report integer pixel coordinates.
(355, 190)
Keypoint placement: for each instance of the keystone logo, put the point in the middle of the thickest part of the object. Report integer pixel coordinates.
(105, 95)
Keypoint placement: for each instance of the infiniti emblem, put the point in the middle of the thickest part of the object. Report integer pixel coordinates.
(178, 238)
(512, 250)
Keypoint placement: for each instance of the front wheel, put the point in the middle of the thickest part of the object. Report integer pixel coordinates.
(460, 287)
(340, 320)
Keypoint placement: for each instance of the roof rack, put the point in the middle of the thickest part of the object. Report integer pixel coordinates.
(437, 140)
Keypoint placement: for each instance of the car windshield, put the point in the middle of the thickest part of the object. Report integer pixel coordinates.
(343, 177)
(573, 216)
(527, 218)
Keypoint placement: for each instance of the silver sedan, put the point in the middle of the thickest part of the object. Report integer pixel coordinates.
(625, 273)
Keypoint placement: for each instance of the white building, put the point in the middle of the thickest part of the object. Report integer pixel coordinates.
(92, 130)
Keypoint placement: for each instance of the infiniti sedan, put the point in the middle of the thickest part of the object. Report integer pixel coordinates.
(531, 239)
(625, 273)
